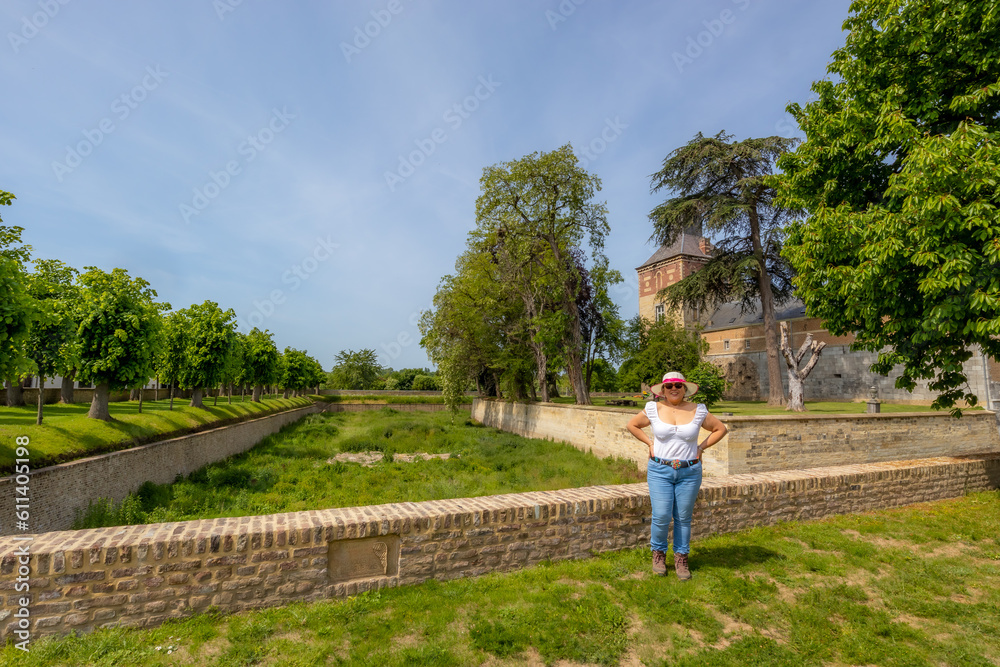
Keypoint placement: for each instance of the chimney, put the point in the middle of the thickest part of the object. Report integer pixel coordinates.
(705, 245)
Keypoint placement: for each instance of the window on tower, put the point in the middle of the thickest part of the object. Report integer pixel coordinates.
(660, 314)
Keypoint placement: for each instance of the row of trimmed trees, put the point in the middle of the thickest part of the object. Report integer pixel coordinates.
(108, 329)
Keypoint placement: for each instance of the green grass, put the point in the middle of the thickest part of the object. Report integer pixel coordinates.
(385, 399)
(288, 471)
(760, 407)
(66, 433)
(911, 586)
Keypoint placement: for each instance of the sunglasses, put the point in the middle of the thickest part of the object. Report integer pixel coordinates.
(673, 385)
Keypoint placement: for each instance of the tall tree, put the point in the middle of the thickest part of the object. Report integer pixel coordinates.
(170, 351)
(260, 361)
(16, 306)
(899, 176)
(534, 212)
(723, 186)
(355, 370)
(209, 333)
(119, 324)
(52, 341)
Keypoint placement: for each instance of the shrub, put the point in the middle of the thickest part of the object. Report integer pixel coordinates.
(425, 383)
(711, 383)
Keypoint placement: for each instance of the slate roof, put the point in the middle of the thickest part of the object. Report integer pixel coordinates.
(727, 316)
(686, 244)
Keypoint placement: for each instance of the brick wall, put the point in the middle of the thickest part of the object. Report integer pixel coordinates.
(759, 444)
(144, 575)
(58, 491)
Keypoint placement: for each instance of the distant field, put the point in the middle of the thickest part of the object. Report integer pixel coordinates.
(66, 433)
(295, 469)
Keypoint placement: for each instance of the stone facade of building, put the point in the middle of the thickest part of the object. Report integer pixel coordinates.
(736, 340)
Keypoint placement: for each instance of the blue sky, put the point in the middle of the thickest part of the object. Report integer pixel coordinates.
(314, 165)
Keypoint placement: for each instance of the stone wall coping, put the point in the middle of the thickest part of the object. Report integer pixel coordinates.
(231, 533)
(754, 418)
(156, 443)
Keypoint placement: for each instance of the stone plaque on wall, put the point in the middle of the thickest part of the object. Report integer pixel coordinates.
(364, 558)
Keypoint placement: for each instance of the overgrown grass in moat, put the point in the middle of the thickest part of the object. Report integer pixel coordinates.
(67, 433)
(911, 586)
(289, 471)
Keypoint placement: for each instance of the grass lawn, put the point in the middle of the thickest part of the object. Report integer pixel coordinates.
(910, 586)
(289, 471)
(760, 407)
(66, 433)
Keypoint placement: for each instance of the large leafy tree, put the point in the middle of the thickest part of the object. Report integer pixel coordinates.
(52, 341)
(261, 361)
(532, 214)
(208, 334)
(478, 333)
(899, 175)
(355, 370)
(654, 349)
(722, 187)
(119, 325)
(16, 306)
(170, 351)
(301, 371)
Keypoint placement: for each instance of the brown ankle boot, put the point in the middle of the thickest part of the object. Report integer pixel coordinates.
(681, 566)
(659, 562)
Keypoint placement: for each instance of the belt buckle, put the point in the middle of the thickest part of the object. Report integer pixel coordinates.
(675, 464)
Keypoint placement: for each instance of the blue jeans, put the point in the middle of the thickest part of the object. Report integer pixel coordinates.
(672, 493)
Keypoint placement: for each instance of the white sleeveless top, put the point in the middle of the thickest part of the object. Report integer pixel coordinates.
(675, 442)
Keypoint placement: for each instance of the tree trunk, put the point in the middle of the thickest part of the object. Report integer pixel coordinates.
(171, 396)
(243, 393)
(133, 394)
(285, 395)
(99, 403)
(41, 399)
(156, 389)
(217, 392)
(140, 400)
(797, 376)
(229, 393)
(66, 390)
(541, 364)
(256, 393)
(196, 398)
(772, 346)
(15, 395)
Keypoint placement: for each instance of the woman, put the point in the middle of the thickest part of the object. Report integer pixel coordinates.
(674, 469)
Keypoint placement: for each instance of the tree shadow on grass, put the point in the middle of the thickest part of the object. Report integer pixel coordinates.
(733, 557)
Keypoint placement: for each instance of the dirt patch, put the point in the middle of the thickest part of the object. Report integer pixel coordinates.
(369, 459)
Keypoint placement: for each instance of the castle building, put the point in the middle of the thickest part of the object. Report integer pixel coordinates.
(736, 340)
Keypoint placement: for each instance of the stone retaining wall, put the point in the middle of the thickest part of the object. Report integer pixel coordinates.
(144, 575)
(59, 491)
(760, 443)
